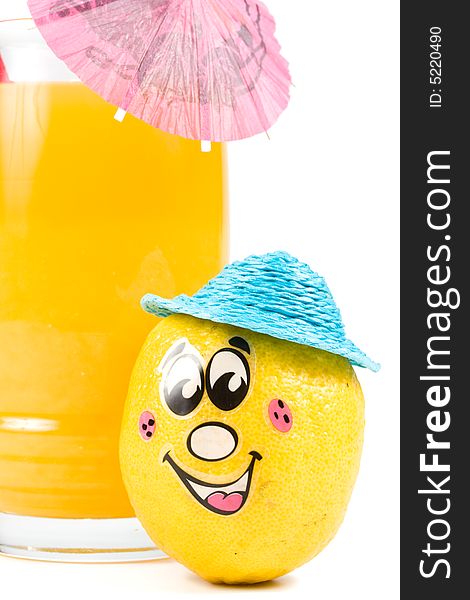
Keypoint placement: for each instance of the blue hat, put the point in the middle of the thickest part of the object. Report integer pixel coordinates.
(274, 294)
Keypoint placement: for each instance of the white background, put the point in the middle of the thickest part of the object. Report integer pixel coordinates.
(325, 188)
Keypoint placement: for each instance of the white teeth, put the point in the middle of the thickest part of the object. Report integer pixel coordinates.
(238, 486)
(203, 491)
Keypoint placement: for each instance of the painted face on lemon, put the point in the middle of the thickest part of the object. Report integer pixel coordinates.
(239, 451)
(226, 379)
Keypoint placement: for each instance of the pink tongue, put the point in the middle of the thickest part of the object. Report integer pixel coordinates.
(226, 502)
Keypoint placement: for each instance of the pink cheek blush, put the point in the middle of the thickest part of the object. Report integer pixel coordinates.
(146, 425)
(280, 415)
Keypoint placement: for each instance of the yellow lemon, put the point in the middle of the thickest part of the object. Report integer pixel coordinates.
(239, 451)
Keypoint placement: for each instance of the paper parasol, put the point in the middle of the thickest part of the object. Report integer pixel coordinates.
(3, 72)
(201, 69)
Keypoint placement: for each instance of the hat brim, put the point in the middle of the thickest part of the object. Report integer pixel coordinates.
(275, 325)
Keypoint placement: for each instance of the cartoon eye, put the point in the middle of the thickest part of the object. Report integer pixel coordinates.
(227, 378)
(183, 384)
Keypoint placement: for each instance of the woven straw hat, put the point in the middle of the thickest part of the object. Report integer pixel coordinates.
(274, 294)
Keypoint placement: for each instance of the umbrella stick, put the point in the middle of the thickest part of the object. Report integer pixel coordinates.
(206, 146)
(120, 114)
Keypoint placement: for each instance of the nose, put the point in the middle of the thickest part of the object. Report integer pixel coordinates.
(212, 441)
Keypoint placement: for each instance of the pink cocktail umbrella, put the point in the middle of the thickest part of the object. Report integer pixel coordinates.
(202, 69)
(3, 73)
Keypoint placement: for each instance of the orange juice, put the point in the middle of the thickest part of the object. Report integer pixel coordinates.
(93, 214)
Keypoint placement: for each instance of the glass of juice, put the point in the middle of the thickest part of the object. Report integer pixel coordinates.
(93, 214)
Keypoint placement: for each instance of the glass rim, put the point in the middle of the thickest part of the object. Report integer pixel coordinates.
(22, 23)
(15, 20)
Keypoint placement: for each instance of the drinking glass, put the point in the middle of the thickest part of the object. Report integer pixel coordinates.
(93, 214)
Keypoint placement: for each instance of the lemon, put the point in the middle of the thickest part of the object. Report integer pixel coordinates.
(239, 451)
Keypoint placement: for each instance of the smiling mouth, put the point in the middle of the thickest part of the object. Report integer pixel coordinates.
(221, 499)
